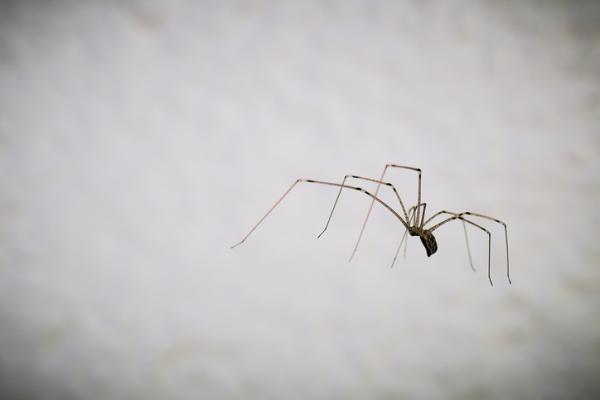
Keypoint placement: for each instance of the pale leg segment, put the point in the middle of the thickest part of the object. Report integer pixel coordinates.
(460, 217)
(362, 229)
(404, 237)
(322, 183)
(366, 179)
(464, 229)
(485, 217)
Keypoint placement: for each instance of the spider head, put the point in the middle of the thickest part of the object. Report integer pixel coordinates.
(429, 242)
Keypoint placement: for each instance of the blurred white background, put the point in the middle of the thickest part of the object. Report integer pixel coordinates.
(139, 140)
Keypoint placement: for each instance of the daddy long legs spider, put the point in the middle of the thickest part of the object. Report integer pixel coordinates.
(413, 220)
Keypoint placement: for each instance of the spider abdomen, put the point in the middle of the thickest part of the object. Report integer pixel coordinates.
(428, 241)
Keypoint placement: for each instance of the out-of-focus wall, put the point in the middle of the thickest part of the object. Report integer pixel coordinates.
(139, 140)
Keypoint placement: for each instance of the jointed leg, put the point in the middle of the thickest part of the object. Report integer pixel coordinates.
(460, 217)
(266, 215)
(422, 214)
(464, 229)
(362, 229)
(411, 213)
(322, 183)
(366, 179)
(489, 218)
(468, 247)
(505, 238)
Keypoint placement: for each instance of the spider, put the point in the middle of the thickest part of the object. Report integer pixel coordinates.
(413, 220)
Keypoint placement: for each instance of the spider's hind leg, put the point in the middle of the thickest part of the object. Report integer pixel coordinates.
(464, 229)
(460, 217)
(505, 238)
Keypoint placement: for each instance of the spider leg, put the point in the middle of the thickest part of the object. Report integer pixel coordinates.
(460, 217)
(322, 183)
(411, 212)
(422, 214)
(362, 229)
(505, 238)
(399, 247)
(491, 219)
(464, 229)
(366, 179)
(468, 247)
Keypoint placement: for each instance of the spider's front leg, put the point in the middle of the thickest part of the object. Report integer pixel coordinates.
(369, 180)
(389, 165)
(405, 223)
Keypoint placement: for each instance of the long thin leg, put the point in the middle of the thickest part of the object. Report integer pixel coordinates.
(423, 214)
(491, 219)
(439, 213)
(412, 209)
(505, 239)
(468, 247)
(404, 237)
(362, 229)
(366, 179)
(322, 183)
(464, 228)
(459, 216)
(266, 215)
(399, 247)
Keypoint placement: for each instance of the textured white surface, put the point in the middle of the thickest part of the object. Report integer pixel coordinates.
(138, 141)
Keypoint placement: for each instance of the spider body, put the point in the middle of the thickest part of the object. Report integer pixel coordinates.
(426, 237)
(414, 221)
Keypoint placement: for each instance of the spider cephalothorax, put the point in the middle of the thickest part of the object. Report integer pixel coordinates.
(426, 237)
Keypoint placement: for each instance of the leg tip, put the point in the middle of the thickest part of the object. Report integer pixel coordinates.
(236, 245)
